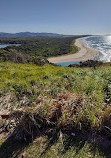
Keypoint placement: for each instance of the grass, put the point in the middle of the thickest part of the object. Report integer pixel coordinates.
(58, 99)
(29, 82)
(59, 150)
(43, 147)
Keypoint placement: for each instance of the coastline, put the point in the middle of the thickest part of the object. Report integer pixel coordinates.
(84, 53)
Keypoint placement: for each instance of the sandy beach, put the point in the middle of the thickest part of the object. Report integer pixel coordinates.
(84, 53)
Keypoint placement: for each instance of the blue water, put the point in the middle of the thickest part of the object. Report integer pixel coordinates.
(102, 44)
(6, 45)
(66, 64)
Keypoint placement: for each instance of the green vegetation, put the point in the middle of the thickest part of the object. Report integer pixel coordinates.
(66, 111)
(42, 147)
(60, 112)
(88, 63)
(32, 48)
(12, 55)
(74, 48)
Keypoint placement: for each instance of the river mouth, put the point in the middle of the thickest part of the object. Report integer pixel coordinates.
(66, 64)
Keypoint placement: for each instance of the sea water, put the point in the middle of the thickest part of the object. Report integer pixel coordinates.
(100, 43)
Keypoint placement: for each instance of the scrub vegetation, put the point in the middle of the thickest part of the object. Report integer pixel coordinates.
(59, 111)
(65, 112)
(32, 48)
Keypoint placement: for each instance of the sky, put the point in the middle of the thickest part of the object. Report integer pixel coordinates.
(56, 16)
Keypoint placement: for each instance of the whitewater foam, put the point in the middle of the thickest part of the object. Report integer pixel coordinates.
(102, 44)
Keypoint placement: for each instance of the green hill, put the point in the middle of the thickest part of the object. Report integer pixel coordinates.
(61, 112)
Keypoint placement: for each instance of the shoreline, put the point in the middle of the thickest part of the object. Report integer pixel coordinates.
(84, 53)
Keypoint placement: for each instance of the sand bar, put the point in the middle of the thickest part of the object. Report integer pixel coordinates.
(84, 53)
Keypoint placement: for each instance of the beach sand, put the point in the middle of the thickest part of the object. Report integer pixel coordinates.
(84, 53)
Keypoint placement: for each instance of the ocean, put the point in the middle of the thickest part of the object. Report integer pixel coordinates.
(100, 43)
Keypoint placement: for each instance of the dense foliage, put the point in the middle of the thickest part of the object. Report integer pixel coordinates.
(11, 54)
(88, 63)
(36, 47)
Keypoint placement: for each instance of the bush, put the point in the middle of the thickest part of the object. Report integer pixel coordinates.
(90, 63)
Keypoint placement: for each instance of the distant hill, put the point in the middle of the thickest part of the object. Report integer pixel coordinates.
(28, 34)
(42, 34)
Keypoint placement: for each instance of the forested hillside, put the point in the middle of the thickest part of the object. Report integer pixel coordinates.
(31, 48)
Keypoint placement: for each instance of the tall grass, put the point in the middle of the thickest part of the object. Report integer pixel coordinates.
(89, 92)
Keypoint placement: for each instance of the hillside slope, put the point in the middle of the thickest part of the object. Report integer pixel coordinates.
(65, 112)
